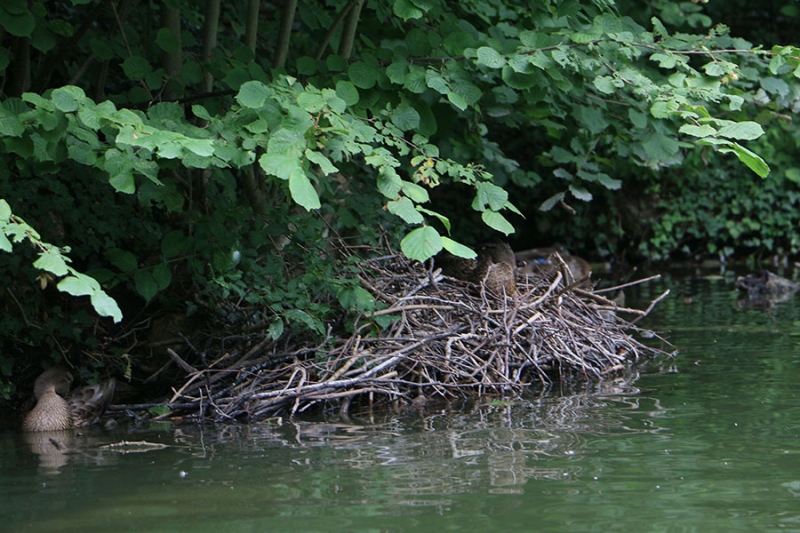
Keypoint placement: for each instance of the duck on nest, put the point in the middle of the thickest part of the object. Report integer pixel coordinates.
(56, 408)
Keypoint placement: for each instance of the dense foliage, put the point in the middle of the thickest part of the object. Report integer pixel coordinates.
(199, 160)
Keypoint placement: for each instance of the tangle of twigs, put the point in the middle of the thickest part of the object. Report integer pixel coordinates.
(447, 339)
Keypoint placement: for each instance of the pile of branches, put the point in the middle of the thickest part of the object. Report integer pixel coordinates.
(449, 339)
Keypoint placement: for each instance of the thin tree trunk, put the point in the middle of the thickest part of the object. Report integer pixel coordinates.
(210, 29)
(349, 31)
(285, 33)
(173, 60)
(251, 31)
(21, 67)
(336, 23)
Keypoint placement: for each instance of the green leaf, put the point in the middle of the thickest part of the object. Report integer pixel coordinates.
(496, 221)
(605, 84)
(436, 81)
(167, 40)
(416, 80)
(405, 209)
(551, 202)
(201, 112)
(82, 285)
(5, 212)
(580, 193)
(467, 90)
(289, 142)
(347, 92)
(82, 153)
(389, 184)
(714, 69)
(664, 60)
(123, 260)
(457, 100)
(775, 86)
(397, 71)
(202, 147)
(311, 102)
(415, 192)
(5, 244)
(159, 410)
(66, 100)
(421, 243)
(146, 286)
(664, 109)
(608, 182)
(302, 190)
(753, 161)
(10, 124)
(52, 261)
(697, 131)
(658, 27)
(279, 165)
(136, 67)
(489, 194)
(490, 57)
(300, 316)
(123, 182)
(443, 219)
(406, 10)
(405, 117)
(252, 94)
(174, 243)
(336, 63)
(660, 147)
(776, 63)
(18, 23)
(324, 163)
(162, 275)
(745, 131)
(792, 174)
(106, 306)
(458, 249)
(307, 66)
(362, 75)
(518, 80)
(639, 120)
(275, 329)
(356, 299)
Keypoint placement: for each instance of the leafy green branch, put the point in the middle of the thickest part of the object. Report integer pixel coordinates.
(53, 261)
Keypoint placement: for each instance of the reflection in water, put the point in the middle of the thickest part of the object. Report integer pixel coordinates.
(55, 449)
(705, 442)
(412, 460)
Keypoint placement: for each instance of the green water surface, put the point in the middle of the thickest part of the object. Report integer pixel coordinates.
(707, 442)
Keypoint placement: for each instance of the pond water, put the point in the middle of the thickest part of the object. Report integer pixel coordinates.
(706, 442)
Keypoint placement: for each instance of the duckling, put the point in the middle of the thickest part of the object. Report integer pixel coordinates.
(57, 409)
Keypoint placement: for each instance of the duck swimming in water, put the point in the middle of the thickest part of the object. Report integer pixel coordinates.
(56, 408)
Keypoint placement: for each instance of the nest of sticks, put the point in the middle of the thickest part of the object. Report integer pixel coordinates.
(447, 339)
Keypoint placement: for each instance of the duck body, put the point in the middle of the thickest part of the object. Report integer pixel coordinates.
(765, 284)
(494, 267)
(57, 409)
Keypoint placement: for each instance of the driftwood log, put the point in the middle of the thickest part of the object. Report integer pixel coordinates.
(447, 339)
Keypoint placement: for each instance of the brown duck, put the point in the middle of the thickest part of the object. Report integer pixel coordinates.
(56, 408)
(494, 266)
